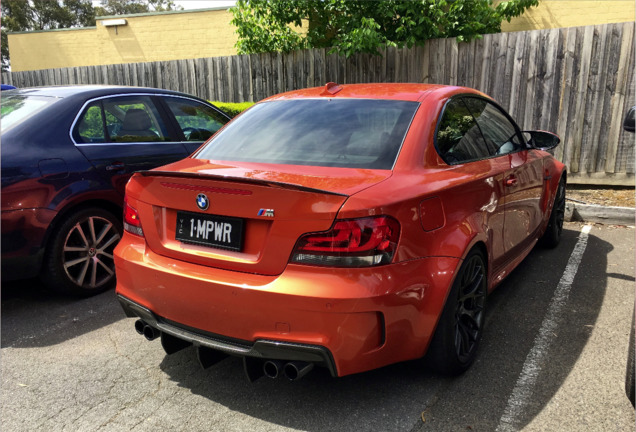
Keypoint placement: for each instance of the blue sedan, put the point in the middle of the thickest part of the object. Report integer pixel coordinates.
(67, 153)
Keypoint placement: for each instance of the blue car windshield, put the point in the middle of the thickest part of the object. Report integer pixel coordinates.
(17, 108)
(350, 133)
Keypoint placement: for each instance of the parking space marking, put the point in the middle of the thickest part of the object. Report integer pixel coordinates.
(522, 391)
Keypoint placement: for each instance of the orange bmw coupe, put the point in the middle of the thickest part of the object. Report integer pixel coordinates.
(345, 226)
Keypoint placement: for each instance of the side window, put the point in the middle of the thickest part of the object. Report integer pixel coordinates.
(134, 119)
(90, 128)
(500, 134)
(458, 136)
(198, 122)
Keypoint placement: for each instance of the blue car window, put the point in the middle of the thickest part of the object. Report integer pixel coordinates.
(18, 108)
(197, 121)
(91, 125)
(133, 119)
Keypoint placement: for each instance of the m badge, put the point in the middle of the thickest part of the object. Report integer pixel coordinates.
(266, 212)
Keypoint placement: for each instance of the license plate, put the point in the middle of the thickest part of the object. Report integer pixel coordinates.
(210, 230)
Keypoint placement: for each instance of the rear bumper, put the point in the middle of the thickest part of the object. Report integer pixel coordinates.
(349, 320)
(262, 349)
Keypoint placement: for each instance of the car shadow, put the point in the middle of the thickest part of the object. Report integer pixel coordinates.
(32, 316)
(389, 398)
(399, 397)
(517, 309)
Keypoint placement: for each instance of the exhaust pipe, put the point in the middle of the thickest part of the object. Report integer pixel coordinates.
(151, 333)
(272, 368)
(139, 326)
(296, 370)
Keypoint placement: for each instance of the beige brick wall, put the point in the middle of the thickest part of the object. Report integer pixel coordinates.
(572, 13)
(144, 38)
(53, 49)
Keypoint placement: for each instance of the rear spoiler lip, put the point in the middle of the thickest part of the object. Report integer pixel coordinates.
(258, 182)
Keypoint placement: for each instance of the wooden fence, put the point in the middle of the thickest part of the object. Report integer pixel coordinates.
(578, 82)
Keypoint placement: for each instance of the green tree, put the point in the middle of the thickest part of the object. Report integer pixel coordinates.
(29, 15)
(126, 7)
(359, 26)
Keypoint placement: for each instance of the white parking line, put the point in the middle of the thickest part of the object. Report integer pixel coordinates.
(522, 392)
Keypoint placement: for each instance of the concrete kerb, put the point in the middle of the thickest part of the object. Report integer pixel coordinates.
(611, 215)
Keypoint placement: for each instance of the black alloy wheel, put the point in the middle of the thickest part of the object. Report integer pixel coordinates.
(469, 310)
(460, 328)
(80, 259)
(552, 235)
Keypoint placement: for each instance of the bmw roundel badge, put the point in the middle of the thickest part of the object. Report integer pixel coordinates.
(203, 202)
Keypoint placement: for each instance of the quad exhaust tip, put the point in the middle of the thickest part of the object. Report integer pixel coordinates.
(254, 368)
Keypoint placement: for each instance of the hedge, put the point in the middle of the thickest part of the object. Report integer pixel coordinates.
(232, 109)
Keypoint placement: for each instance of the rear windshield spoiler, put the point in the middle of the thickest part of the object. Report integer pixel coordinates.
(259, 182)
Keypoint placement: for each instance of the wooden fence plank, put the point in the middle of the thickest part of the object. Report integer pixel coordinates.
(618, 100)
(594, 100)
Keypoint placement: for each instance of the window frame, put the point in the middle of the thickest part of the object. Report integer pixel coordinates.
(460, 96)
(175, 123)
(159, 103)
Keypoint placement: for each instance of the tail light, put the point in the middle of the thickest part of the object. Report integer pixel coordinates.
(361, 242)
(132, 223)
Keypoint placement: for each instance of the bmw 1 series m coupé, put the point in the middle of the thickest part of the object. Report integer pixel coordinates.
(345, 226)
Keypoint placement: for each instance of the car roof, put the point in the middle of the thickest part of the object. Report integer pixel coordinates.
(396, 91)
(88, 91)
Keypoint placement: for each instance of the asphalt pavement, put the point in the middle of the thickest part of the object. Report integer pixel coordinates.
(78, 365)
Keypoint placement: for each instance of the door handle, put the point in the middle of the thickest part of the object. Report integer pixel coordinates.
(116, 166)
(511, 181)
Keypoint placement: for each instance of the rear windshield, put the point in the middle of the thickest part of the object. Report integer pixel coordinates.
(351, 133)
(17, 108)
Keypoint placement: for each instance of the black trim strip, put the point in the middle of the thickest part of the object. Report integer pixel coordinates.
(258, 182)
(263, 349)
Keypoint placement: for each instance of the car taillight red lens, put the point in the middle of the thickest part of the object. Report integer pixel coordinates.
(132, 224)
(350, 243)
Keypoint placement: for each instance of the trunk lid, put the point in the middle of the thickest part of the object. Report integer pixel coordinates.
(256, 212)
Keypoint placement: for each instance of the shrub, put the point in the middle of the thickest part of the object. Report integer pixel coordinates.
(232, 109)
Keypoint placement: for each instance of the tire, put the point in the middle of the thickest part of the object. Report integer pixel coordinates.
(631, 365)
(456, 341)
(79, 258)
(552, 235)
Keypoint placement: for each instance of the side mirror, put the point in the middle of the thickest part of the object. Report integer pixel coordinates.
(628, 123)
(542, 140)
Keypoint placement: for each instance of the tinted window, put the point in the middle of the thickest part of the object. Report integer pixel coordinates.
(91, 124)
(126, 118)
(500, 134)
(198, 122)
(133, 119)
(458, 136)
(16, 109)
(355, 133)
